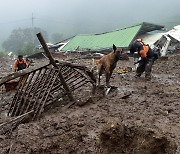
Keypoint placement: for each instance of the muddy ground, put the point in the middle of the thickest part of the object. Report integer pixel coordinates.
(145, 122)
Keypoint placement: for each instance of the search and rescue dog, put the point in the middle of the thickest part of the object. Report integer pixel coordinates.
(108, 63)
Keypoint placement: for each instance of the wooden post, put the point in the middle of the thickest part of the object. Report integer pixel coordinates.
(19, 74)
(48, 54)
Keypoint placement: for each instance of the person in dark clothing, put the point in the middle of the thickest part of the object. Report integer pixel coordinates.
(20, 63)
(147, 58)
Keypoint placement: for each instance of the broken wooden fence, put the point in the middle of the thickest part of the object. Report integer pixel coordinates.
(42, 86)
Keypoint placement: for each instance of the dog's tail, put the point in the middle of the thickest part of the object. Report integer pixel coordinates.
(94, 64)
(97, 62)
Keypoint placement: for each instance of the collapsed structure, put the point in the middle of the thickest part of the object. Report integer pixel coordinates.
(169, 41)
(103, 42)
(56, 81)
(152, 34)
(40, 87)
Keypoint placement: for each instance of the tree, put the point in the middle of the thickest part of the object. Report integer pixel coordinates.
(23, 41)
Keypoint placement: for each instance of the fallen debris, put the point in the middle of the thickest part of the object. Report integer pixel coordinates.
(39, 87)
(169, 42)
(118, 138)
(124, 70)
(14, 122)
(11, 85)
(125, 95)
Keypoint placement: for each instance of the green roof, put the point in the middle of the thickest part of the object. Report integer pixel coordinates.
(121, 38)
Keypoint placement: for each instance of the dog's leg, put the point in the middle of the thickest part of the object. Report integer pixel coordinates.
(99, 73)
(99, 77)
(108, 72)
(107, 79)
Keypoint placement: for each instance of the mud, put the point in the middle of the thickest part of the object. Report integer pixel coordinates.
(118, 138)
(145, 122)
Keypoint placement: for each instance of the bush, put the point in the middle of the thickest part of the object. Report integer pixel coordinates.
(27, 50)
(2, 54)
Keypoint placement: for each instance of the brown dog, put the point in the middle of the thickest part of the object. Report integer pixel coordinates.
(108, 63)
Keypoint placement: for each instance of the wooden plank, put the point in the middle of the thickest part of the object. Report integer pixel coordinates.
(79, 76)
(12, 124)
(16, 113)
(30, 91)
(26, 94)
(19, 74)
(33, 96)
(52, 61)
(40, 91)
(47, 94)
(80, 85)
(38, 107)
(16, 99)
(80, 67)
(73, 87)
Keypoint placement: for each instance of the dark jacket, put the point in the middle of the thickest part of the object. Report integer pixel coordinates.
(20, 65)
(144, 51)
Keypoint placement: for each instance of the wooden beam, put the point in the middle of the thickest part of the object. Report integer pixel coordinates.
(52, 61)
(19, 74)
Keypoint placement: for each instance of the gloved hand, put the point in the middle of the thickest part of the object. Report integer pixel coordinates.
(140, 61)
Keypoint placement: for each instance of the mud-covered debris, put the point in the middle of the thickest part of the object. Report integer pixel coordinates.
(118, 138)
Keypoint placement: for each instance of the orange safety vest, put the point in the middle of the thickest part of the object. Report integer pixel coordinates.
(143, 53)
(20, 64)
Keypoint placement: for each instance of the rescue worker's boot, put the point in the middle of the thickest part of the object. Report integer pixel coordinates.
(147, 77)
(137, 75)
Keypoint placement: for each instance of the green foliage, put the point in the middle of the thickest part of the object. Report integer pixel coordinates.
(23, 41)
(26, 50)
(2, 54)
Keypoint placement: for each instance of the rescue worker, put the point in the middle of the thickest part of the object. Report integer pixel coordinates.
(20, 63)
(147, 58)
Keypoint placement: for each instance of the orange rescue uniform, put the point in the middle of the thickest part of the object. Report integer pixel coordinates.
(20, 65)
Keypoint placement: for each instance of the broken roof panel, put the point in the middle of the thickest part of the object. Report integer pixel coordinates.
(121, 38)
(148, 27)
(175, 33)
(151, 38)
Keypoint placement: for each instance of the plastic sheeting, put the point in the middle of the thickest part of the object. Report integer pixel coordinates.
(175, 33)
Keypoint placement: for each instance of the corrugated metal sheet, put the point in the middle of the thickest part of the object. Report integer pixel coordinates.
(175, 33)
(121, 38)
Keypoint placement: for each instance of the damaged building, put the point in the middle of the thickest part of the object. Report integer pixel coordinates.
(103, 41)
(169, 42)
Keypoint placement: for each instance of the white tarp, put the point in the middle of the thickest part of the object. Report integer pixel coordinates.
(167, 45)
(175, 33)
(151, 38)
